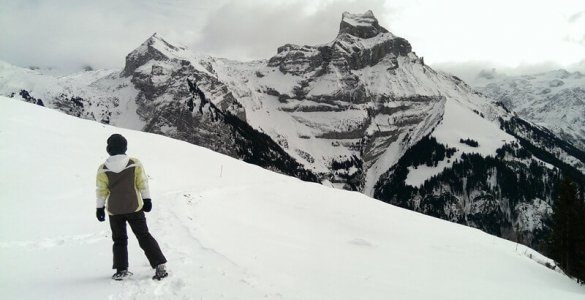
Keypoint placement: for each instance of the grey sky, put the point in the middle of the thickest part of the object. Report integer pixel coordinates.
(67, 34)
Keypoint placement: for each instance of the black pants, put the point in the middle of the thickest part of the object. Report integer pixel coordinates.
(137, 222)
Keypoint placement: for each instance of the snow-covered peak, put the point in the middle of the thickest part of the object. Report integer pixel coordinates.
(360, 25)
(155, 47)
(360, 35)
(361, 42)
(158, 42)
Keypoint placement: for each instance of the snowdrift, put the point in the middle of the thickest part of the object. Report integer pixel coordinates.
(230, 230)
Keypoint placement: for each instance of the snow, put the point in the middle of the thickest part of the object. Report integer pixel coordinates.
(328, 84)
(327, 136)
(230, 230)
(417, 176)
(394, 152)
(299, 130)
(329, 121)
(459, 122)
(530, 215)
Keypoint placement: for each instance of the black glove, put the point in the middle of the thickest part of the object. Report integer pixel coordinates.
(100, 214)
(147, 207)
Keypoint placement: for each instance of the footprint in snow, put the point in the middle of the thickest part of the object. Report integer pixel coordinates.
(361, 242)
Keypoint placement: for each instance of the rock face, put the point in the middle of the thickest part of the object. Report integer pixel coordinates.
(362, 112)
(363, 26)
(180, 99)
(361, 42)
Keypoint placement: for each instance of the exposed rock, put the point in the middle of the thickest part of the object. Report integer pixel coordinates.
(361, 42)
(145, 53)
(363, 26)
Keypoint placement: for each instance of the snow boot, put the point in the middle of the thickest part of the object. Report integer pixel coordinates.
(121, 274)
(160, 272)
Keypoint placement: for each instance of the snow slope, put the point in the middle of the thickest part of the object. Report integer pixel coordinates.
(230, 230)
(461, 123)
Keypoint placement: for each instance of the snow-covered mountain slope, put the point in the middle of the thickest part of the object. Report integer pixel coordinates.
(555, 100)
(230, 230)
(349, 108)
(100, 95)
(461, 123)
(471, 172)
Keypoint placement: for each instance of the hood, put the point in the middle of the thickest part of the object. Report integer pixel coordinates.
(117, 163)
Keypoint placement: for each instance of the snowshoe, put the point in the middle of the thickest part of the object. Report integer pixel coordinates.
(160, 272)
(121, 275)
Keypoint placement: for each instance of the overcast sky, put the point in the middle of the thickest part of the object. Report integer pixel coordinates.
(457, 35)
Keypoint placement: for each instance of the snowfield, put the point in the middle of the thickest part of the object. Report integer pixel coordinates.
(460, 123)
(230, 230)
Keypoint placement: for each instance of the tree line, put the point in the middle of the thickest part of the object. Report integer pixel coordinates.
(567, 239)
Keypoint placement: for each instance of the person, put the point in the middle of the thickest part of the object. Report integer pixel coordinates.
(122, 191)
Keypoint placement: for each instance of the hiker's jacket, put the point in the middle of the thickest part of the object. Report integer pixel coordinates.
(121, 184)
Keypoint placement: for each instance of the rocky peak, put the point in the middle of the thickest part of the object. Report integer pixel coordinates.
(360, 25)
(361, 42)
(155, 47)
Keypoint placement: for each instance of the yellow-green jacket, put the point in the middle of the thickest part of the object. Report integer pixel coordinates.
(121, 184)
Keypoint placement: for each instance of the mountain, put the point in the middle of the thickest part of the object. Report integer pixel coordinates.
(170, 105)
(230, 230)
(362, 112)
(555, 100)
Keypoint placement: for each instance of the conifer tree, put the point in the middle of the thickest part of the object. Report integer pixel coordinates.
(568, 231)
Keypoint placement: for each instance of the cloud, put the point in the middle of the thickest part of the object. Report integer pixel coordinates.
(474, 72)
(257, 28)
(71, 33)
(577, 67)
(576, 29)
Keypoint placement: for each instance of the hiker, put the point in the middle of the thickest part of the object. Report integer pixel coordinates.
(122, 191)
